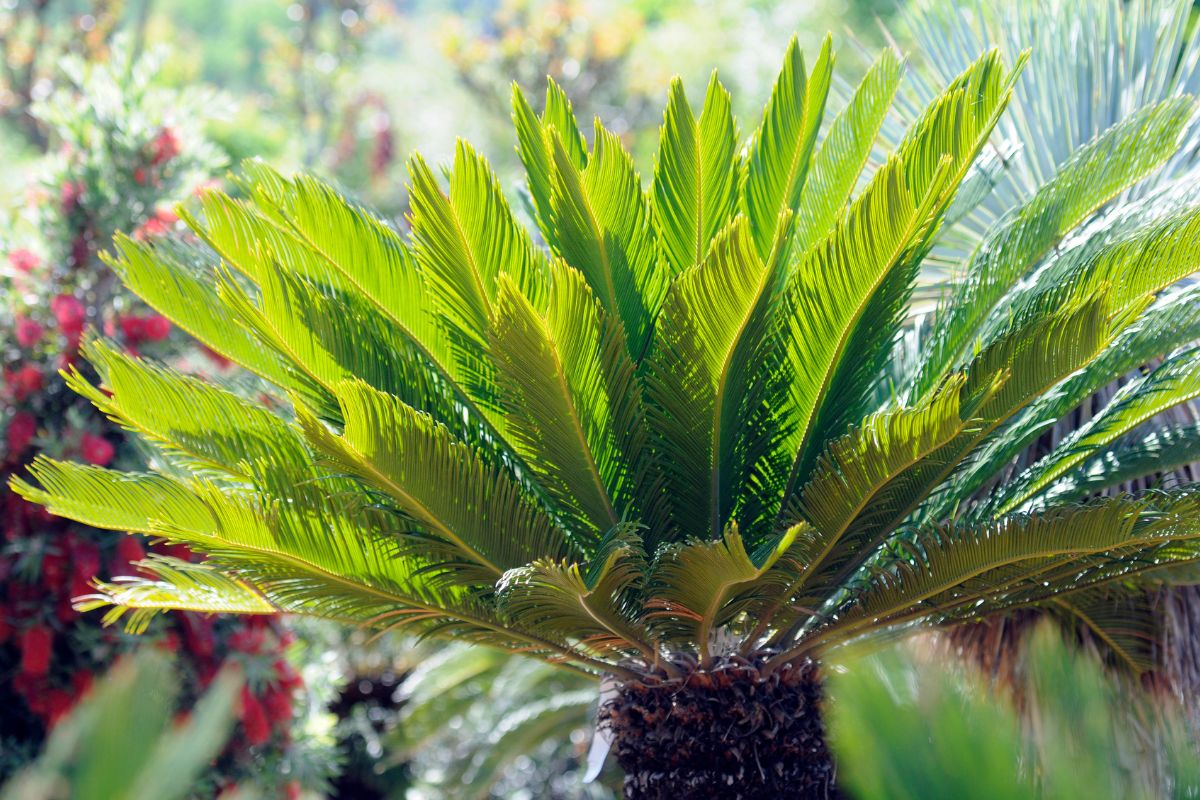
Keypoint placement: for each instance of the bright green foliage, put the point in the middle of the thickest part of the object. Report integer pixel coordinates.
(661, 432)
(152, 757)
(1084, 736)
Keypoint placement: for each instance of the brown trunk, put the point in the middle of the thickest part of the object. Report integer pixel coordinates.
(725, 731)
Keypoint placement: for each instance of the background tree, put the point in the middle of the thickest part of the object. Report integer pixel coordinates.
(125, 148)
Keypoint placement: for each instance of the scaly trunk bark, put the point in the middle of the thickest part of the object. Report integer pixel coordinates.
(724, 731)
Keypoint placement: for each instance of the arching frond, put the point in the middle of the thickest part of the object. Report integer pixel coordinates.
(695, 174)
(843, 154)
(781, 150)
(602, 219)
(172, 585)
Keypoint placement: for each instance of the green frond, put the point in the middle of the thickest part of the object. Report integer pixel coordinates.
(697, 378)
(691, 586)
(536, 148)
(596, 604)
(437, 480)
(603, 223)
(207, 425)
(1156, 453)
(464, 241)
(695, 174)
(1136, 266)
(188, 296)
(1162, 329)
(850, 265)
(104, 498)
(561, 374)
(1175, 381)
(856, 479)
(781, 150)
(938, 567)
(1125, 621)
(843, 153)
(172, 585)
(1092, 176)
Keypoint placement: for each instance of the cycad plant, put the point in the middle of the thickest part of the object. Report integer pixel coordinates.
(672, 447)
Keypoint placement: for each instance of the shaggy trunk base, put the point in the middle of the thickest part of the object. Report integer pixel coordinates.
(722, 732)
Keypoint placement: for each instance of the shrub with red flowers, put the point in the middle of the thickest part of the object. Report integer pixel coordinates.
(125, 151)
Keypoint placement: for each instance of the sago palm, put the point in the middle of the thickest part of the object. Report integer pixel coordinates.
(668, 447)
(1093, 63)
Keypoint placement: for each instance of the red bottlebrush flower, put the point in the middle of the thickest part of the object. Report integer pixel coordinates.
(133, 328)
(57, 705)
(53, 568)
(246, 640)
(21, 431)
(23, 260)
(69, 312)
(96, 449)
(293, 790)
(25, 381)
(139, 176)
(81, 681)
(177, 550)
(70, 194)
(80, 251)
(198, 633)
(155, 328)
(85, 560)
(28, 332)
(287, 676)
(36, 645)
(169, 643)
(157, 225)
(254, 720)
(278, 703)
(164, 147)
(129, 551)
(64, 609)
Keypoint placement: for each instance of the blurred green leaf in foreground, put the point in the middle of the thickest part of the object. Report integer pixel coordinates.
(921, 728)
(123, 743)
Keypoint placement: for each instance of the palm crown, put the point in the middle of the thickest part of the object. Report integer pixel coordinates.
(679, 427)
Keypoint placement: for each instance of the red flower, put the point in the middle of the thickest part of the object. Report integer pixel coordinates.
(29, 332)
(70, 194)
(79, 251)
(85, 560)
(129, 551)
(139, 176)
(157, 225)
(21, 432)
(254, 719)
(293, 790)
(25, 381)
(5, 629)
(81, 681)
(96, 449)
(164, 147)
(246, 640)
(133, 328)
(57, 704)
(36, 644)
(69, 312)
(54, 568)
(278, 703)
(155, 328)
(287, 675)
(23, 260)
